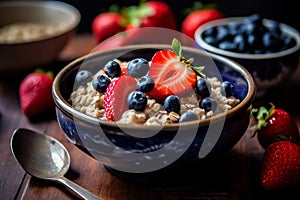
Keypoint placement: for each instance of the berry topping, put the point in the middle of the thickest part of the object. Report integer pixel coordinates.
(250, 35)
(208, 104)
(145, 84)
(203, 88)
(138, 67)
(83, 76)
(137, 100)
(226, 88)
(112, 69)
(172, 73)
(172, 103)
(100, 83)
(115, 97)
(188, 116)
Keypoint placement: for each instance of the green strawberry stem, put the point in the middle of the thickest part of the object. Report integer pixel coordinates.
(134, 14)
(263, 115)
(198, 5)
(285, 138)
(41, 71)
(177, 48)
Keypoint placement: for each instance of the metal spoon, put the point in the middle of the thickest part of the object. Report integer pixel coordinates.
(44, 157)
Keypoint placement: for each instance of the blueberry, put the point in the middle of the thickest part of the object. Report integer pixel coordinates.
(137, 100)
(255, 18)
(226, 88)
(145, 84)
(203, 88)
(223, 33)
(100, 83)
(208, 104)
(210, 40)
(254, 42)
(112, 69)
(274, 28)
(211, 31)
(288, 42)
(239, 41)
(138, 67)
(83, 76)
(188, 116)
(172, 103)
(271, 41)
(228, 46)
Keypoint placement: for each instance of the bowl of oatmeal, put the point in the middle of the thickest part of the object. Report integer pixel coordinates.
(143, 109)
(32, 33)
(268, 49)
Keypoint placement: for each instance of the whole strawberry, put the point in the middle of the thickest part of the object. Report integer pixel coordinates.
(106, 25)
(281, 165)
(199, 15)
(150, 14)
(35, 93)
(274, 123)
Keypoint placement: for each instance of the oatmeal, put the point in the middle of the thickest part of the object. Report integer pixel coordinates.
(25, 31)
(166, 90)
(87, 100)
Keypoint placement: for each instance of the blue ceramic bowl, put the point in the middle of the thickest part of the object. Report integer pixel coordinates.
(268, 69)
(137, 151)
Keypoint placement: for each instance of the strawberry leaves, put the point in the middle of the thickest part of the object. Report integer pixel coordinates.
(177, 48)
(263, 115)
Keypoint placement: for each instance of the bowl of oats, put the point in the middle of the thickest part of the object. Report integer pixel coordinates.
(32, 33)
(146, 108)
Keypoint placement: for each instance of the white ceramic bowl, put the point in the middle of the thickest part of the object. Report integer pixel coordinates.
(16, 57)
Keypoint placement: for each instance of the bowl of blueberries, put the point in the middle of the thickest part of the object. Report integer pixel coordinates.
(268, 49)
(145, 111)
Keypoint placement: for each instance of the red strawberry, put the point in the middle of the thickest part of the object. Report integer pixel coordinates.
(36, 93)
(115, 97)
(150, 14)
(198, 16)
(106, 25)
(281, 165)
(172, 74)
(273, 123)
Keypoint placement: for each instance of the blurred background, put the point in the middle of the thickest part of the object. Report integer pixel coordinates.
(285, 11)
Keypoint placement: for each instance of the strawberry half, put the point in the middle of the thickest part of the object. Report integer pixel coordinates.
(172, 73)
(115, 97)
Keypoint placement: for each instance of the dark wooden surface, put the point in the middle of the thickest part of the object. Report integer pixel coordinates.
(235, 176)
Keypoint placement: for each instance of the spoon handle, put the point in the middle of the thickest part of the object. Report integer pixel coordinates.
(81, 192)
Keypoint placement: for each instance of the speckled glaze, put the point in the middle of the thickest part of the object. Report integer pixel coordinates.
(269, 69)
(86, 132)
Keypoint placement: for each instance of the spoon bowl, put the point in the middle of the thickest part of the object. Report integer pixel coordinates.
(44, 157)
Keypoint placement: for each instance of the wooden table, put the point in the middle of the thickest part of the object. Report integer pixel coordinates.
(236, 176)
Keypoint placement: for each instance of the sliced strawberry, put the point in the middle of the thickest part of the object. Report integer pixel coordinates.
(115, 97)
(170, 75)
